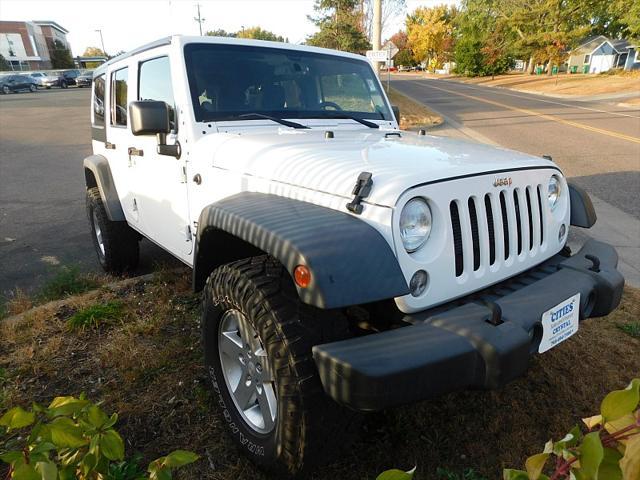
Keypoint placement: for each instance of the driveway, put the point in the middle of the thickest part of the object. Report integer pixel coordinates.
(596, 144)
(44, 137)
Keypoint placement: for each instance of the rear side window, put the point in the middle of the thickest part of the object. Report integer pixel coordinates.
(154, 83)
(119, 80)
(98, 101)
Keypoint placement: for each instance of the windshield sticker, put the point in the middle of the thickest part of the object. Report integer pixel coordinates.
(371, 85)
(204, 99)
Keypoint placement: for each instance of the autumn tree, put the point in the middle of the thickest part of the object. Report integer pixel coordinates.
(430, 34)
(220, 33)
(258, 33)
(340, 24)
(93, 52)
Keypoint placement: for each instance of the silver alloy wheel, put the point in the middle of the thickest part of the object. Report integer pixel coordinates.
(98, 232)
(246, 372)
(5, 89)
(32, 87)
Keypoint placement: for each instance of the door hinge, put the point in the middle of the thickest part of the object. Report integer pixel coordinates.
(187, 233)
(183, 176)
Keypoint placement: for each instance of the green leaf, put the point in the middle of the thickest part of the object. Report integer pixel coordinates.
(66, 406)
(96, 416)
(17, 418)
(47, 470)
(111, 445)
(26, 472)
(535, 464)
(43, 447)
(630, 463)
(112, 421)
(180, 458)
(10, 457)
(89, 462)
(610, 467)
(396, 474)
(510, 474)
(621, 402)
(66, 434)
(591, 455)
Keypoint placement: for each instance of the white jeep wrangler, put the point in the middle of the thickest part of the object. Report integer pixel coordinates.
(344, 262)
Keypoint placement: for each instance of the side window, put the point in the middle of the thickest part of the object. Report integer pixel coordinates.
(98, 101)
(119, 97)
(154, 83)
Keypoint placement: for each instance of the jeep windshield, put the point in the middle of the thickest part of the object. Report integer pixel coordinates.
(229, 81)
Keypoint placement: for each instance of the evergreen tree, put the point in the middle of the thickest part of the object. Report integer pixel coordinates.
(340, 24)
(4, 65)
(60, 55)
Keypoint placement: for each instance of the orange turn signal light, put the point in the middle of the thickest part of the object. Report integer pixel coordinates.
(302, 276)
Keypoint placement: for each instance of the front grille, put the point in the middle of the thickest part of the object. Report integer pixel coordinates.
(510, 224)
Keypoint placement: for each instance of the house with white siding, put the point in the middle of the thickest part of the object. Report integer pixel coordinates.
(599, 54)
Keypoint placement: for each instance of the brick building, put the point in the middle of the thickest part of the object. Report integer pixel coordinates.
(27, 45)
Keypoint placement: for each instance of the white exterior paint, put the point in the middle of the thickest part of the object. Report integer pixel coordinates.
(161, 201)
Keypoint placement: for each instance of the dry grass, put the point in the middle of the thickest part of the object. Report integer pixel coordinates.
(147, 365)
(564, 84)
(413, 115)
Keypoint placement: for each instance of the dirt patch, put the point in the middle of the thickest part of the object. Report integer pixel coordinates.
(148, 366)
(564, 84)
(413, 115)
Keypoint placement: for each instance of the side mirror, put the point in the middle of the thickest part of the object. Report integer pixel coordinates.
(149, 117)
(396, 113)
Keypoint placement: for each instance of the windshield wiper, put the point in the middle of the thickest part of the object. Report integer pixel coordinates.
(286, 123)
(364, 122)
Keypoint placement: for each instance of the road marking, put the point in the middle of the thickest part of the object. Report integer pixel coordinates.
(500, 90)
(621, 136)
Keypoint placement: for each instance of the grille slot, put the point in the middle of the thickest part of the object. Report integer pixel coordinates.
(492, 233)
(457, 237)
(475, 235)
(521, 228)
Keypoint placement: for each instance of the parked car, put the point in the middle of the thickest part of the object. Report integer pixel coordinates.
(338, 256)
(54, 79)
(84, 79)
(38, 77)
(17, 83)
(70, 76)
(404, 68)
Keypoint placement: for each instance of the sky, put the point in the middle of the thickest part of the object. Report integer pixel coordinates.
(127, 24)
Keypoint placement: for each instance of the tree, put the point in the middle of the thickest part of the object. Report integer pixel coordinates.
(391, 10)
(340, 24)
(4, 65)
(258, 33)
(93, 52)
(430, 34)
(220, 33)
(60, 55)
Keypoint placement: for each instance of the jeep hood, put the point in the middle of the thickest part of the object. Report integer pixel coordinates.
(307, 159)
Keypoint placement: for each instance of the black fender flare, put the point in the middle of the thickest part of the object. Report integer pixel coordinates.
(582, 212)
(98, 165)
(350, 261)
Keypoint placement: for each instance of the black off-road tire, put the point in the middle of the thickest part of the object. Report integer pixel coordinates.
(120, 242)
(310, 427)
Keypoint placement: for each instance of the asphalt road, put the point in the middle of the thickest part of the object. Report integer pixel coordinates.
(596, 144)
(44, 137)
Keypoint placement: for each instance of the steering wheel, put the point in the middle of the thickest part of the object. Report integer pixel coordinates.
(333, 105)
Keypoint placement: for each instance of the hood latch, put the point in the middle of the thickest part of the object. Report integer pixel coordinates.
(361, 190)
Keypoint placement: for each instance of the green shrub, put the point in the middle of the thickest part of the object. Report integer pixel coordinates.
(67, 281)
(609, 450)
(632, 328)
(95, 315)
(73, 439)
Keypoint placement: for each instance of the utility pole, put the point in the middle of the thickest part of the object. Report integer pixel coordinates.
(102, 42)
(199, 19)
(377, 27)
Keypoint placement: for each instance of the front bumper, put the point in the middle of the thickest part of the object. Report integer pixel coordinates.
(482, 341)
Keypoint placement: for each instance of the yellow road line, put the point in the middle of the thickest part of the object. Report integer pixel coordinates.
(621, 136)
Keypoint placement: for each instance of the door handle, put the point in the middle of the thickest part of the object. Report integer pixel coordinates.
(197, 178)
(135, 152)
(109, 146)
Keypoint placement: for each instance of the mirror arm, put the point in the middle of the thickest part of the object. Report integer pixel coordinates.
(169, 150)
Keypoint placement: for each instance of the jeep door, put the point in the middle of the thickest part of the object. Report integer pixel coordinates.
(160, 187)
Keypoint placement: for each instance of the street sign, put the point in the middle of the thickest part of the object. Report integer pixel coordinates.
(377, 55)
(391, 47)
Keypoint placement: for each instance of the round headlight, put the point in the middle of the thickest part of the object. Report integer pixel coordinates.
(415, 224)
(553, 193)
